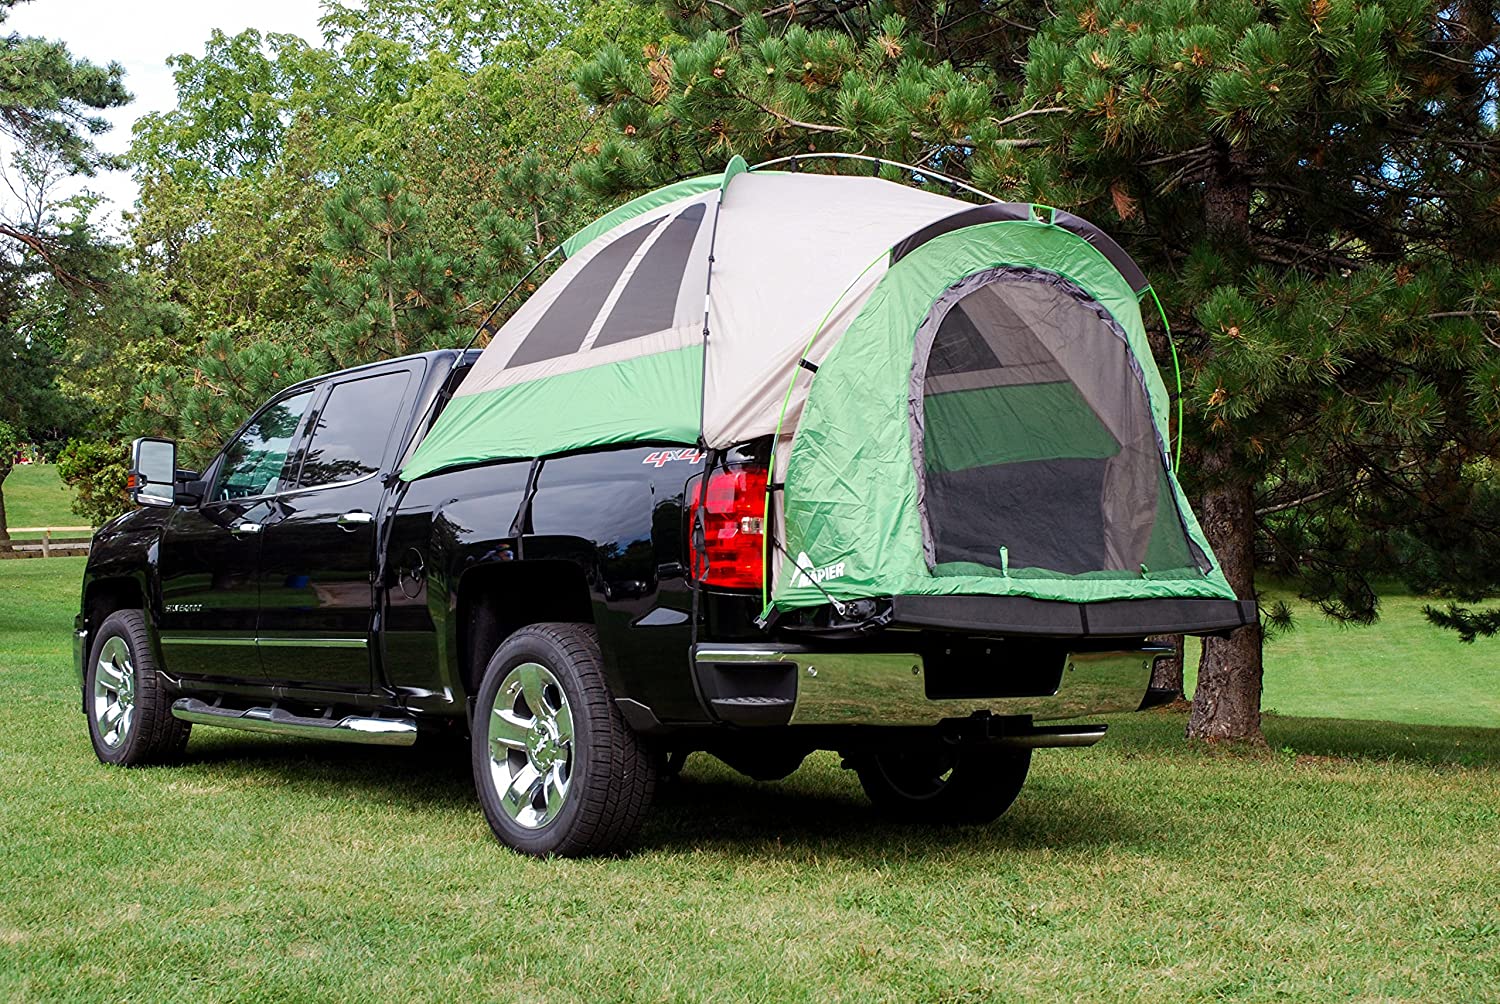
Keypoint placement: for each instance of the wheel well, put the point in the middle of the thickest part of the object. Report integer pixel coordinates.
(105, 596)
(497, 600)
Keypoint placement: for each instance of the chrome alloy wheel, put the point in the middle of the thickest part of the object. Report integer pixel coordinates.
(531, 745)
(114, 692)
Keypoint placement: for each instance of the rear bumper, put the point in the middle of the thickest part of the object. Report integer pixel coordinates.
(1014, 616)
(765, 684)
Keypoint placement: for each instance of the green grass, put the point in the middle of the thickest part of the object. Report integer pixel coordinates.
(36, 496)
(1402, 669)
(1358, 863)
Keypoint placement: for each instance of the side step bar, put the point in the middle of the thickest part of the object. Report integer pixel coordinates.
(351, 729)
(1049, 736)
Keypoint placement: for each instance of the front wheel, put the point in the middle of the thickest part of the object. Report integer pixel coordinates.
(557, 769)
(129, 708)
(941, 782)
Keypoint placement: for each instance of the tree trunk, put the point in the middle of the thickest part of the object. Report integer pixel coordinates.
(1226, 702)
(1166, 674)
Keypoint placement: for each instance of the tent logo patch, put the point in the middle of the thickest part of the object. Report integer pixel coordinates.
(808, 574)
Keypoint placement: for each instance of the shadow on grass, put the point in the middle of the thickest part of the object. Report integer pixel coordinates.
(815, 810)
(1434, 745)
(437, 777)
(820, 808)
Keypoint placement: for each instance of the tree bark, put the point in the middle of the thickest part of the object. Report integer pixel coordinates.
(1226, 702)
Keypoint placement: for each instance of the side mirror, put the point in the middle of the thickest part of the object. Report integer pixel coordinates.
(153, 472)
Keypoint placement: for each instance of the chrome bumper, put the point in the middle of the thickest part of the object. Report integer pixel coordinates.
(890, 688)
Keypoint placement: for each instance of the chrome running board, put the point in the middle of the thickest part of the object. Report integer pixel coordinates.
(350, 729)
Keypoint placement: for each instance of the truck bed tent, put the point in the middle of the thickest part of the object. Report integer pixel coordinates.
(964, 399)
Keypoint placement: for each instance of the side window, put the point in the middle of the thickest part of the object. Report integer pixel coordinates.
(253, 463)
(351, 433)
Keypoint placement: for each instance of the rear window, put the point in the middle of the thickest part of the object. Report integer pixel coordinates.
(351, 433)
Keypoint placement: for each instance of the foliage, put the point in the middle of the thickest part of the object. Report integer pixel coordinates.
(53, 263)
(47, 98)
(97, 473)
(312, 206)
(9, 444)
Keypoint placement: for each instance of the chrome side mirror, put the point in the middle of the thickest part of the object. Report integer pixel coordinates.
(153, 472)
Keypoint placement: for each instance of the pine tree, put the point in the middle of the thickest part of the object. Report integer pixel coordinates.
(1314, 187)
(50, 254)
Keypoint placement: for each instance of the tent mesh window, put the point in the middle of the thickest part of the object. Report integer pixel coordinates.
(1035, 449)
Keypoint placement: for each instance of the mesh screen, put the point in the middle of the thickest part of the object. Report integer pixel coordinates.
(1036, 449)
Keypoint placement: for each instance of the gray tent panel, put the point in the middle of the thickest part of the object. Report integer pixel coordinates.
(562, 329)
(649, 300)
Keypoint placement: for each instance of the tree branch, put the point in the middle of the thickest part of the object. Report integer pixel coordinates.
(64, 275)
(1018, 116)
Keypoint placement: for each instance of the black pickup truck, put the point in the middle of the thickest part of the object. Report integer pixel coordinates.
(555, 610)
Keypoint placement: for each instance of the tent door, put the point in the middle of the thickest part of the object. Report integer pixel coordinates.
(1035, 449)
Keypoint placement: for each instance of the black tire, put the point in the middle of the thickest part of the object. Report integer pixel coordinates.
(611, 776)
(943, 782)
(153, 736)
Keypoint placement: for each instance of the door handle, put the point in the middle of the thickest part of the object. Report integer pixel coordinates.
(245, 529)
(357, 517)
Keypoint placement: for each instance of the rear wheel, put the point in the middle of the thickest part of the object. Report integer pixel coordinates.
(557, 770)
(129, 708)
(941, 782)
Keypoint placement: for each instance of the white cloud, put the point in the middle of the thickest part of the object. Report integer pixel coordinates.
(141, 35)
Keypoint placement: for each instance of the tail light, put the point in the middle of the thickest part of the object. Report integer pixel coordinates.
(726, 527)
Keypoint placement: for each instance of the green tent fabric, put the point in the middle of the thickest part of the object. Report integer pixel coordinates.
(860, 514)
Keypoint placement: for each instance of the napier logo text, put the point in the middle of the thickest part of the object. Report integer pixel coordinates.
(808, 574)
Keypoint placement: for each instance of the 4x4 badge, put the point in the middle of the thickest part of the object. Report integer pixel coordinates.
(661, 457)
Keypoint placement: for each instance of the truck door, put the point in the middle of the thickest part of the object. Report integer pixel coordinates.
(210, 555)
(317, 595)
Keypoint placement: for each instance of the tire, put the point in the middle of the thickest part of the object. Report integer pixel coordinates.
(557, 770)
(122, 674)
(942, 782)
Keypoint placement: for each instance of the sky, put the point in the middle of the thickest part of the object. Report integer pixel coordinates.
(141, 35)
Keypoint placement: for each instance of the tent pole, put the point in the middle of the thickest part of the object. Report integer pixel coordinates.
(501, 302)
(445, 394)
(878, 162)
(708, 285)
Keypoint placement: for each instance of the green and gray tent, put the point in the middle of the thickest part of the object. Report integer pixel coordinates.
(962, 398)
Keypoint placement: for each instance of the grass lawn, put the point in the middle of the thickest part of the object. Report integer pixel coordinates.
(36, 496)
(1360, 862)
(1402, 669)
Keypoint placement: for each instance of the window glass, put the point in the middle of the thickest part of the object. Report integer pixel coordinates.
(352, 431)
(253, 463)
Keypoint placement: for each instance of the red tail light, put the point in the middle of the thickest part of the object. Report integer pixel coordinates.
(727, 546)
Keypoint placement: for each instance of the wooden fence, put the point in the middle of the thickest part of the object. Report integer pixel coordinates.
(47, 546)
